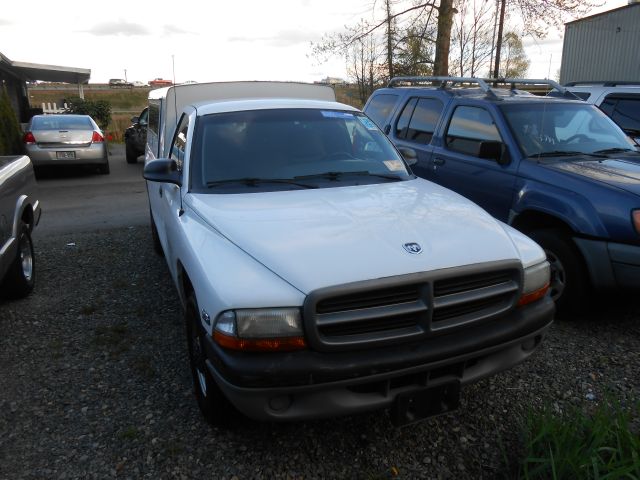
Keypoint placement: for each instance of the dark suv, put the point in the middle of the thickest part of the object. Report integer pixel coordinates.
(135, 137)
(557, 169)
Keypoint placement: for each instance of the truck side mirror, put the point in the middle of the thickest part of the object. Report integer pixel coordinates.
(493, 150)
(409, 154)
(164, 170)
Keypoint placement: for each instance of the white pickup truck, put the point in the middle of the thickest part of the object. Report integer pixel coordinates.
(19, 214)
(318, 275)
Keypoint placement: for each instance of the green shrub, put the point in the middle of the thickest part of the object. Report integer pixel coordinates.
(576, 445)
(99, 110)
(10, 133)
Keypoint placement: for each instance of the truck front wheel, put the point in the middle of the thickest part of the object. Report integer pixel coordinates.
(568, 272)
(215, 407)
(21, 277)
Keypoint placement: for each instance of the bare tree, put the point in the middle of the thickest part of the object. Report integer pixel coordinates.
(472, 38)
(538, 15)
(515, 63)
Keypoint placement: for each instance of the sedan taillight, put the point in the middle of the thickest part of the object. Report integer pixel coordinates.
(97, 138)
(29, 139)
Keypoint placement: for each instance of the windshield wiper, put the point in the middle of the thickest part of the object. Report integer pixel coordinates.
(338, 175)
(254, 181)
(563, 153)
(616, 150)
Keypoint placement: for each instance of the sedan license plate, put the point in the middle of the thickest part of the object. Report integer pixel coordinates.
(411, 407)
(65, 155)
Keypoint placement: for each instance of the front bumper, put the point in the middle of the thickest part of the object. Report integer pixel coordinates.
(311, 384)
(611, 265)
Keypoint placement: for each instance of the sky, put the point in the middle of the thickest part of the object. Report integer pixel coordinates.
(202, 40)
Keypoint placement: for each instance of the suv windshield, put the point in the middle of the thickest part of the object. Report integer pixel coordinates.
(564, 129)
(290, 149)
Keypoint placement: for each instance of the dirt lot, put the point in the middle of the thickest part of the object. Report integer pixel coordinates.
(94, 380)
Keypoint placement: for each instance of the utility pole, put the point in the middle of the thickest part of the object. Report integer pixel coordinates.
(125, 75)
(496, 70)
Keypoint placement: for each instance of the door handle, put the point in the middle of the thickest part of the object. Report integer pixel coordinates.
(438, 161)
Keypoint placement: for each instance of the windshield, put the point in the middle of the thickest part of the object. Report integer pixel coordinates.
(279, 149)
(564, 129)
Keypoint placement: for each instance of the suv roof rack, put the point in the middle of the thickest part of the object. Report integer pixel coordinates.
(483, 83)
(603, 83)
(443, 82)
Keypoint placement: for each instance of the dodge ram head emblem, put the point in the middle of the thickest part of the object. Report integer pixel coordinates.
(413, 248)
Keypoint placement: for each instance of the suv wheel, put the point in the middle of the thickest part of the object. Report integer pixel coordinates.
(568, 271)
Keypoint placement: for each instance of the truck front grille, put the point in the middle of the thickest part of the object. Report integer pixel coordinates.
(405, 308)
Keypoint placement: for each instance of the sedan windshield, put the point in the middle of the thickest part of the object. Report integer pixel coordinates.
(565, 130)
(266, 150)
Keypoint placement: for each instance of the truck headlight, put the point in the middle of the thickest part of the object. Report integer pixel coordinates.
(269, 329)
(536, 283)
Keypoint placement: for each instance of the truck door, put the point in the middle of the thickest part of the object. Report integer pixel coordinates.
(473, 160)
(168, 198)
(414, 129)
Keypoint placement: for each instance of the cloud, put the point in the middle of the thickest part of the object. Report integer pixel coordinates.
(173, 30)
(4, 22)
(284, 38)
(123, 28)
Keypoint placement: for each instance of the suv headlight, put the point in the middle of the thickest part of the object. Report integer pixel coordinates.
(269, 329)
(536, 282)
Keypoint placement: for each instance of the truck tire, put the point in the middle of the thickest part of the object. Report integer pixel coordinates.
(21, 276)
(569, 284)
(130, 153)
(215, 407)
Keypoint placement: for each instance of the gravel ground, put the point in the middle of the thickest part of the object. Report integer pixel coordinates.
(94, 383)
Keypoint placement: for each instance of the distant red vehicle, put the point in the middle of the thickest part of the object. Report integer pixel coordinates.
(159, 82)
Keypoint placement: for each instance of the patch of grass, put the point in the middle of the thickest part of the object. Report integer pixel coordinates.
(114, 338)
(600, 445)
(129, 433)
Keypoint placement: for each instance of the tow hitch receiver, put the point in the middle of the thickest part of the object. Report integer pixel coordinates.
(411, 407)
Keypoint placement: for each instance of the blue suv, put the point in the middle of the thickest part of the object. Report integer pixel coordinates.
(553, 167)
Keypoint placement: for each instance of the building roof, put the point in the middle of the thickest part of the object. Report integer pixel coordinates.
(48, 73)
(591, 17)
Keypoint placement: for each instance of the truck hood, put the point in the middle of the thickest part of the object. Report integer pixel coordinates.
(330, 236)
(620, 172)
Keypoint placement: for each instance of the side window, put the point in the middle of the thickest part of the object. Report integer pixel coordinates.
(424, 120)
(179, 144)
(380, 107)
(624, 110)
(469, 127)
(154, 117)
(403, 122)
